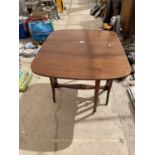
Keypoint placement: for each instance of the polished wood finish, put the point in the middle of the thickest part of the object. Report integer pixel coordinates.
(78, 86)
(82, 54)
(97, 87)
(54, 84)
(108, 87)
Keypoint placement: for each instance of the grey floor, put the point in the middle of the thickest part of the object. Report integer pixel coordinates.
(69, 127)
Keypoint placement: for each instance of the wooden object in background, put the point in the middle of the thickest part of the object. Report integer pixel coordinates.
(128, 16)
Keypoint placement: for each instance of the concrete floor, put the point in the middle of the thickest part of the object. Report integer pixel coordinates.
(69, 127)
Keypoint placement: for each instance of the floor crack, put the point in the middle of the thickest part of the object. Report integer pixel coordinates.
(57, 121)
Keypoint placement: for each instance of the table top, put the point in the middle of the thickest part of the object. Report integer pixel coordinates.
(82, 54)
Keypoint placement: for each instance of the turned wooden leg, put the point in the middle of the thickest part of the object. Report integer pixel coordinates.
(108, 85)
(97, 87)
(53, 82)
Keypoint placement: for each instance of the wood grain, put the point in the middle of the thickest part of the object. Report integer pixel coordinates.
(82, 54)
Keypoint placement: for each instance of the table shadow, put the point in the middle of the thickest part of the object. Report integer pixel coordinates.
(45, 126)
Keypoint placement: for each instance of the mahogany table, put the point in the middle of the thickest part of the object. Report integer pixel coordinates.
(82, 55)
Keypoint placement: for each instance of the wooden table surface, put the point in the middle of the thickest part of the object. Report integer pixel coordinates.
(82, 54)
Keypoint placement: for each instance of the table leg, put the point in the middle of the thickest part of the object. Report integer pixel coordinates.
(97, 87)
(53, 82)
(108, 85)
